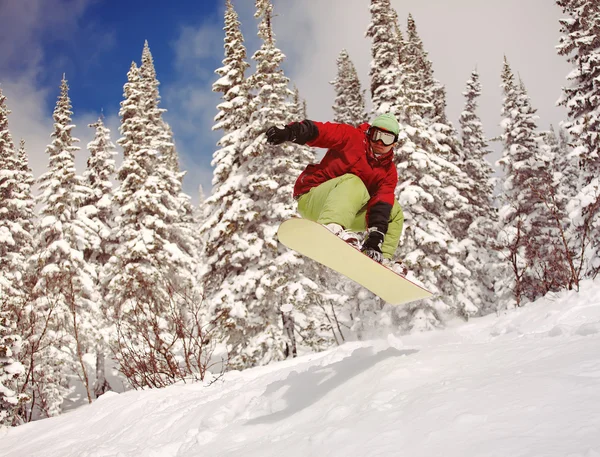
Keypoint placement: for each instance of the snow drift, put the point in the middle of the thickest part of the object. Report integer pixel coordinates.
(525, 383)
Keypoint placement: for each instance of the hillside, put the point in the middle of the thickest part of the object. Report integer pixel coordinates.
(525, 383)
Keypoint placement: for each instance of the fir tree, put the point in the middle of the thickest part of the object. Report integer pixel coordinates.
(98, 206)
(16, 211)
(251, 280)
(161, 139)
(234, 110)
(25, 183)
(297, 106)
(526, 238)
(148, 281)
(563, 162)
(10, 369)
(417, 78)
(156, 128)
(349, 104)
(15, 247)
(482, 259)
(98, 213)
(580, 43)
(428, 246)
(65, 306)
(430, 195)
(384, 67)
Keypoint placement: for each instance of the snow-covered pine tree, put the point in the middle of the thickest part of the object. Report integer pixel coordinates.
(218, 213)
(64, 313)
(16, 213)
(482, 260)
(25, 193)
(563, 162)
(157, 129)
(297, 106)
(514, 228)
(97, 212)
(556, 196)
(181, 224)
(10, 368)
(427, 193)
(349, 104)
(384, 67)
(97, 207)
(459, 213)
(580, 44)
(15, 246)
(549, 247)
(148, 282)
(251, 280)
(416, 81)
(234, 110)
(26, 218)
(528, 237)
(426, 94)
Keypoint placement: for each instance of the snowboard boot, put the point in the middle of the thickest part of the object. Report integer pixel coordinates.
(352, 238)
(396, 266)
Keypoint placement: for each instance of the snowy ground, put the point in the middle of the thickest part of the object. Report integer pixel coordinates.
(526, 383)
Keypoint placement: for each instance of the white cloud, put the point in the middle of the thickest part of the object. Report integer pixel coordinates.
(25, 24)
(29, 120)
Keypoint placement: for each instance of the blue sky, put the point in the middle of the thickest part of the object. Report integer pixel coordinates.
(111, 35)
(95, 41)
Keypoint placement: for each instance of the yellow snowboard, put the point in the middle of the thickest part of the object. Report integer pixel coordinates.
(317, 242)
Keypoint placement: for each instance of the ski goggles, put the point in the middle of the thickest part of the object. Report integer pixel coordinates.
(387, 138)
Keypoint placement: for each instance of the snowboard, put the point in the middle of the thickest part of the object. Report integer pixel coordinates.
(316, 242)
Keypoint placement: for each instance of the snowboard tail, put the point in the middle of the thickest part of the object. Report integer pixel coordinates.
(316, 242)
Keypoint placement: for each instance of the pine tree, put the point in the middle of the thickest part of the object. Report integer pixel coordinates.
(97, 208)
(482, 259)
(157, 129)
(148, 281)
(349, 104)
(98, 213)
(297, 106)
(251, 280)
(15, 247)
(16, 211)
(25, 183)
(427, 108)
(418, 77)
(384, 67)
(65, 310)
(580, 43)
(10, 369)
(234, 110)
(181, 222)
(563, 162)
(429, 193)
(527, 238)
(475, 149)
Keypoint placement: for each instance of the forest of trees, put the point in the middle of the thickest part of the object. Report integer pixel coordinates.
(116, 269)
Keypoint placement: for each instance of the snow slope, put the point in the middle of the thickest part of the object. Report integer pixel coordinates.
(526, 383)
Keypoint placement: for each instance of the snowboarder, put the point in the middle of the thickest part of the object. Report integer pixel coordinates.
(352, 188)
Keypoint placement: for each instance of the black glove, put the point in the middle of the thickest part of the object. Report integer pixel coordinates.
(276, 135)
(372, 244)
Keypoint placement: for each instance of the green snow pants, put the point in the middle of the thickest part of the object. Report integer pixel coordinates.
(343, 200)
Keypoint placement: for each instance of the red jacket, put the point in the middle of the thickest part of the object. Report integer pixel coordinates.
(349, 152)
